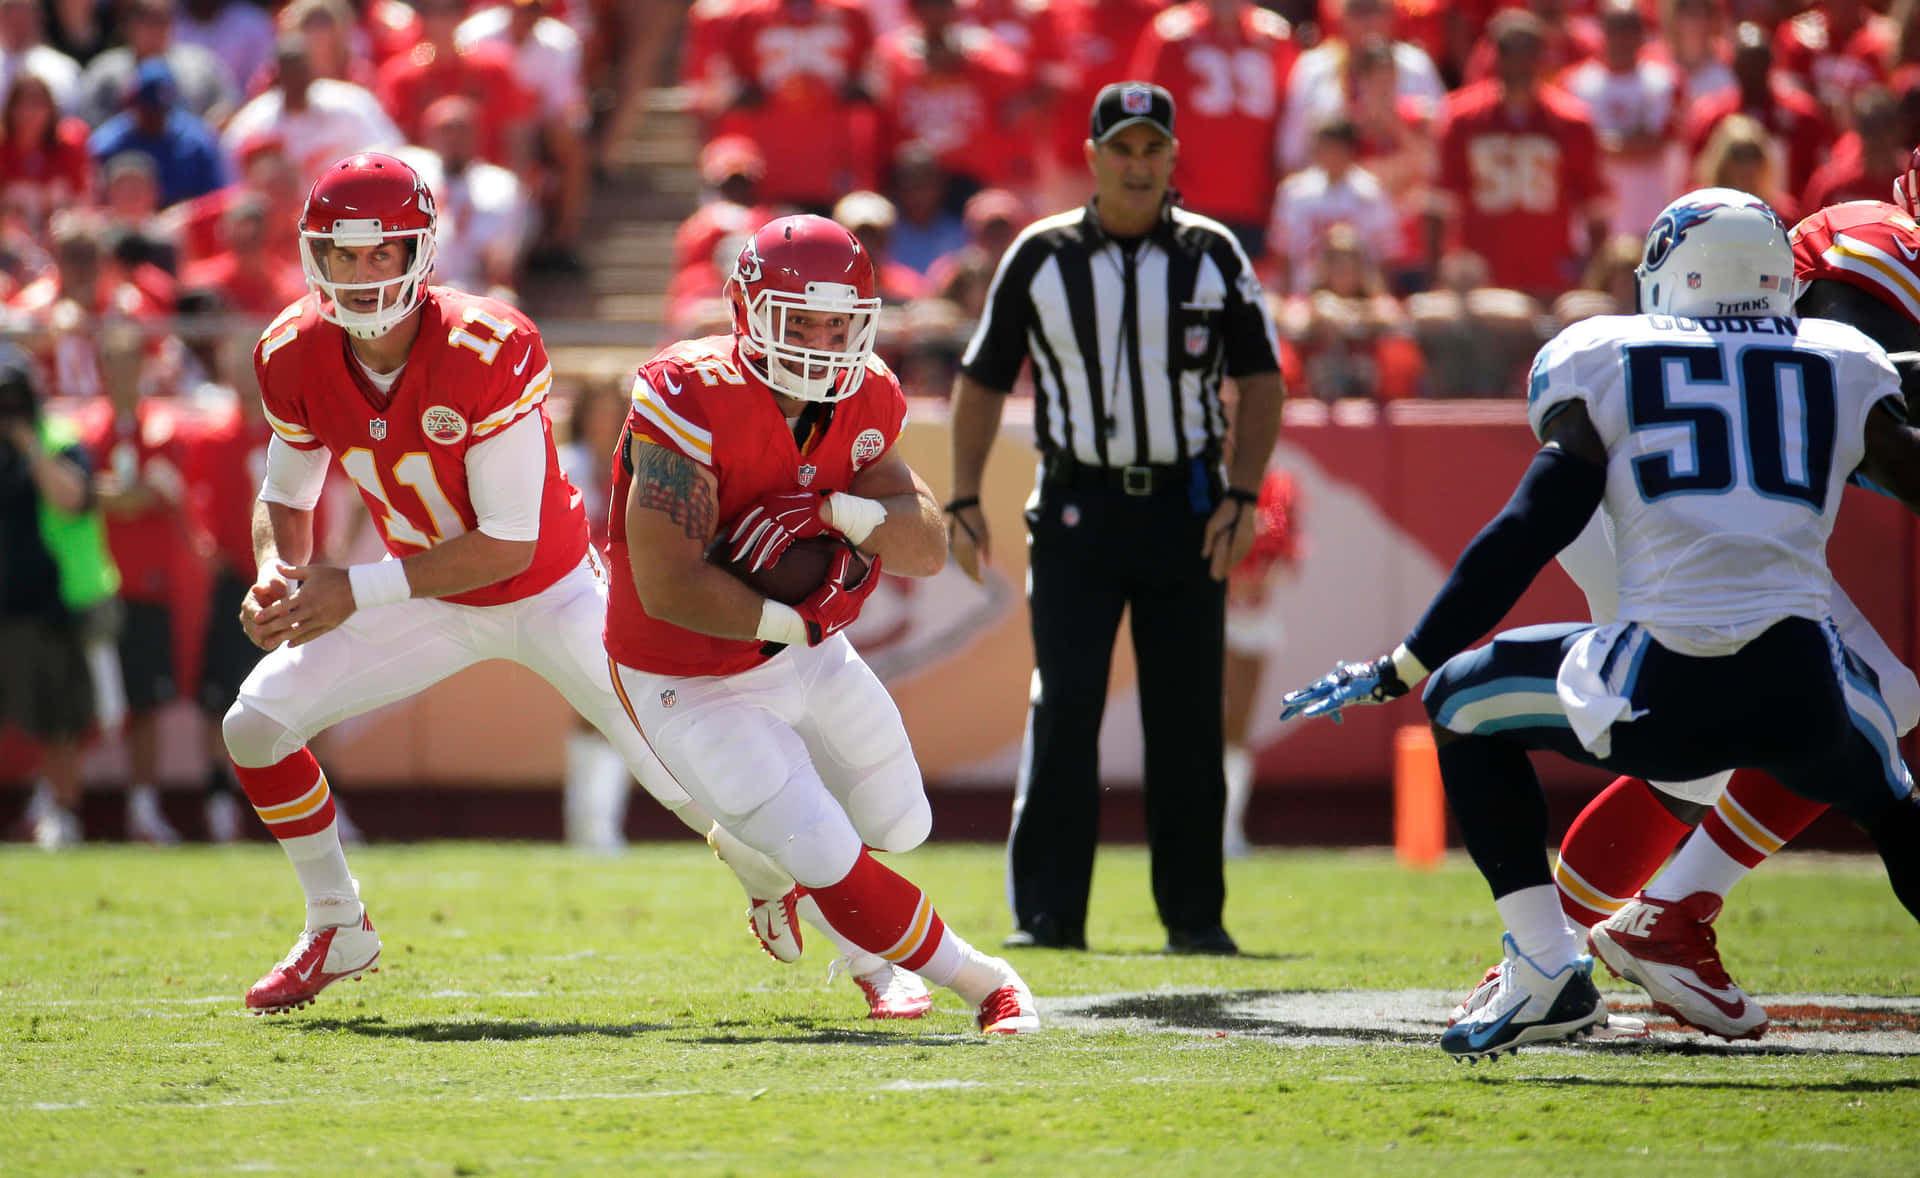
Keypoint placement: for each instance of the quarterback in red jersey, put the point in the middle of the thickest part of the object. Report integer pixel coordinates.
(433, 402)
(764, 712)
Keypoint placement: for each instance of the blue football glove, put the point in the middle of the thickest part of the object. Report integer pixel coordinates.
(1349, 683)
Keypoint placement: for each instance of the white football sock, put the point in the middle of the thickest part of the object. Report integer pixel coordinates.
(1539, 927)
(1698, 866)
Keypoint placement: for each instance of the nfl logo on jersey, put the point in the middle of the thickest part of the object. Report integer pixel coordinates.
(378, 429)
(1196, 340)
(807, 471)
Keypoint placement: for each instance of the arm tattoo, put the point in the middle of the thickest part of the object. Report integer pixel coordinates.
(669, 482)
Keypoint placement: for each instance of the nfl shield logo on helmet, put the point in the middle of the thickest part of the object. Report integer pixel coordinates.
(1197, 340)
(1693, 280)
(807, 471)
(667, 698)
(1136, 100)
(378, 429)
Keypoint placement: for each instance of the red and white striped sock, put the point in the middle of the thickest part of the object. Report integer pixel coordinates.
(292, 798)
(1612, 849)
(883, 912)
(1754, 818)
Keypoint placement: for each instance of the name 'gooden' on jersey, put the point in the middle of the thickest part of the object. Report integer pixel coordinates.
(1731, 426)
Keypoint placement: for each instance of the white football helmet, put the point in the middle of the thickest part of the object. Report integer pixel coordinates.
(1717, 252)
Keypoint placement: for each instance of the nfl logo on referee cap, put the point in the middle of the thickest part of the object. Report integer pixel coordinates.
(1136, 100)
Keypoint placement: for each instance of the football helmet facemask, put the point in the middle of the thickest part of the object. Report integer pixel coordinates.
(814, 266)
(1906, 186)
(360, 202)
(1717, 251)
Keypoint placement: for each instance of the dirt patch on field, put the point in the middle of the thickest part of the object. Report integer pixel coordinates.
(1817, 1024)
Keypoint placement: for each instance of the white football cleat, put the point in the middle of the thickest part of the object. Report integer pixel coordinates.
(318, 959)
(1666, 947)
(1528, 1005)
(776, 925)
(1481, 992)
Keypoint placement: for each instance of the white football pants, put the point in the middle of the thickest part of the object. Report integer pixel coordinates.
(804, 757)
(390, 652)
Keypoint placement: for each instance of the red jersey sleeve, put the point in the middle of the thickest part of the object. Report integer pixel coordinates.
(1867, 244)
(517, 374)
(280, 384)
(667, 408)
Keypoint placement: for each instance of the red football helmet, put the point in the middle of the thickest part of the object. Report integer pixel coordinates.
(362, 201)
(1906, 187)
(812, 265)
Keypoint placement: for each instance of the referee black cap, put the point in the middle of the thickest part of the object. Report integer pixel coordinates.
(19, 387)
(1122, 104)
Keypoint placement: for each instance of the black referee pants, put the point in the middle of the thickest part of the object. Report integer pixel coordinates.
(1094, 551)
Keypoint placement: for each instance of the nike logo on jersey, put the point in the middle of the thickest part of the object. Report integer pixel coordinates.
(524, 357)
(673, 386)
(1908, 254)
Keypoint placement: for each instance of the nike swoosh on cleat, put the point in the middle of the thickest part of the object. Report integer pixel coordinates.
(1479, 1039)
(1730, 1009)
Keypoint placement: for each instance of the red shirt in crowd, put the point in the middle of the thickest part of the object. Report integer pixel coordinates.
(1832, 62)
(1792, 116)
(801, 59)
(1098, 36)
(151, 449)
(958, 112)
(1226, 81)
(227, 462)
(37, 179)
(1518, 181)
(412, 81)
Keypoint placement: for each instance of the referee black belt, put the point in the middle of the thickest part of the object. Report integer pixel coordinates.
(1063, 471)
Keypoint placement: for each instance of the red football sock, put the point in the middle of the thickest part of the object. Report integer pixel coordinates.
(291, 796)
(881, 911)
(1757, 816)
(1612, 849)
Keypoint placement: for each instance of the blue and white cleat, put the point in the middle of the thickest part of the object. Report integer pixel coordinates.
(1528, 1005)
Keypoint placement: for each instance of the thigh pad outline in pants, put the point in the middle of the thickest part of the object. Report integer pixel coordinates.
(1898, 687)
(376, 657)
(561, 641)
(730, 745)
(860, 747)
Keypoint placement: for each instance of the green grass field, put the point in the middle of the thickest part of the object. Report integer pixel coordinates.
(544, 1013)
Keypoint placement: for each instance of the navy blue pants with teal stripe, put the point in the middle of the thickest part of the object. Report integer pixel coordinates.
(1792, 703)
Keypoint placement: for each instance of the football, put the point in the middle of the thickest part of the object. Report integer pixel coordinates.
(798, 572)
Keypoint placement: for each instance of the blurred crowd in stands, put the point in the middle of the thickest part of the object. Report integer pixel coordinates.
(1429, 187)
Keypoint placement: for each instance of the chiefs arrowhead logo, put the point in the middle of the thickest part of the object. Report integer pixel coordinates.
(867, 447)
(747, 269)
(443, 425)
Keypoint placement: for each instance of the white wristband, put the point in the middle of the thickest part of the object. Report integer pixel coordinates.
(854, 517)
(380, 582)
(1410, 669)
(781, 623)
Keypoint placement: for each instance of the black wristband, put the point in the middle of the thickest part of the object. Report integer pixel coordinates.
(961, 504)
(1241, 495)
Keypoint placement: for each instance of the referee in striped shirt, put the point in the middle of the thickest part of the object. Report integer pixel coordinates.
(1131, 310)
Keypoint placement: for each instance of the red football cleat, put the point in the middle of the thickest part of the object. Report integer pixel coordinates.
(319, 958)
(893, 992)
(1666, 947)
(776, 926)
(1008, 1011)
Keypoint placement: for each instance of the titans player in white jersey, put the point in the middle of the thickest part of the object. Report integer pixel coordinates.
(1717, 432)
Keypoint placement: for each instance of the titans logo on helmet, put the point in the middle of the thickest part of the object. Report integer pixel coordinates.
(1672, 226)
